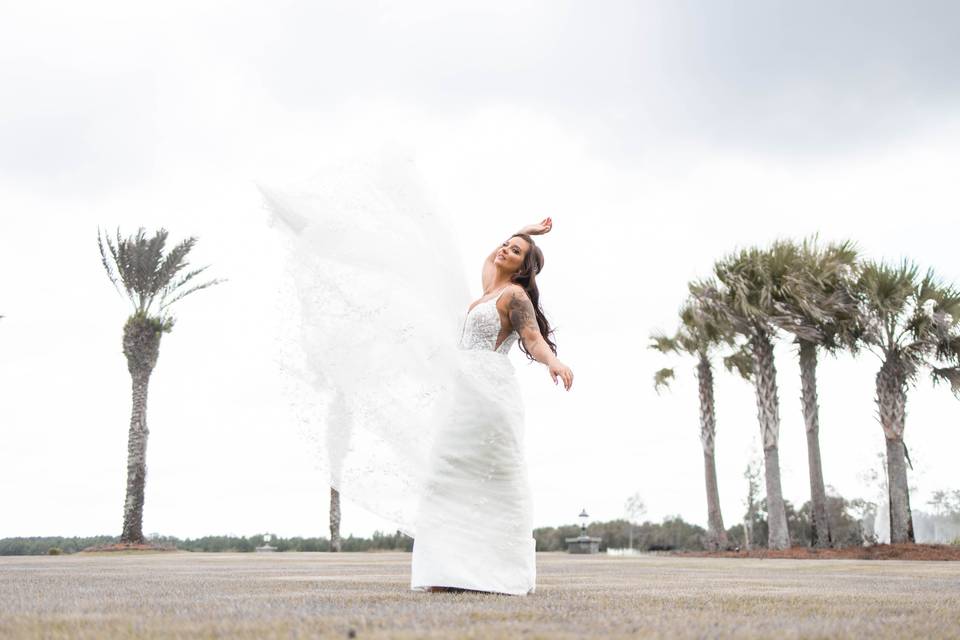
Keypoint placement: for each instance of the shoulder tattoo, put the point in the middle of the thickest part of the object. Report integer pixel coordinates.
(520, 311)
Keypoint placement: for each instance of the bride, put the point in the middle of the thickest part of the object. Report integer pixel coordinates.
(419, 428)
(475, 526)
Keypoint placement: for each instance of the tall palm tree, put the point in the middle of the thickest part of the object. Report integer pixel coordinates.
(700, 335)
(817, 305)
(152, 282)
(911, 323)
(749, 283)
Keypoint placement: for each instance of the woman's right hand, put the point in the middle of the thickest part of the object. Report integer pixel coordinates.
(539, 229)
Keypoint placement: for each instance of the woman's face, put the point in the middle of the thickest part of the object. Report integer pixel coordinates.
(511, 254)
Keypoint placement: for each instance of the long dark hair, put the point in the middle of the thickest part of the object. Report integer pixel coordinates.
(526, 277)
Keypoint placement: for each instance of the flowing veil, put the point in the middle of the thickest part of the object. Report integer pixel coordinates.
(378, 297)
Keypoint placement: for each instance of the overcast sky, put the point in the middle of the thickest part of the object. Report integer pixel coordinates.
(658, 135)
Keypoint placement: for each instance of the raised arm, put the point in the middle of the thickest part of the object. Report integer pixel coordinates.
(523, 319)
(489, 270)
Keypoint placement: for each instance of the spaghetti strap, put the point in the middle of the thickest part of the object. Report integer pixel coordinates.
(488, 300)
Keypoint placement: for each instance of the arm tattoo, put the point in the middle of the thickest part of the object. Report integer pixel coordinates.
(521, 314)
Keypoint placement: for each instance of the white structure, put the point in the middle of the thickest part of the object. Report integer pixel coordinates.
(265, 547)
(583, 543)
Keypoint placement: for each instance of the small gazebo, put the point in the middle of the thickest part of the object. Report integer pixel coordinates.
(266, 547)
(583, 543)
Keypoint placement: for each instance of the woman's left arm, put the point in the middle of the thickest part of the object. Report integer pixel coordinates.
(523, 318)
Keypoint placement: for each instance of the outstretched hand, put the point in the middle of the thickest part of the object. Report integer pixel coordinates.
(538, 229)
(561, 371)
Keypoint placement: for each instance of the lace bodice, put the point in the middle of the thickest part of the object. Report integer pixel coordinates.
(482, 328)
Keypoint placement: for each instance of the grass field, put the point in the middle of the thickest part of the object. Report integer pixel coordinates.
(366, 596)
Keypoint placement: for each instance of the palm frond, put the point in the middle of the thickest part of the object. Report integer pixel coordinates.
(912, 356)
(119, 256)
(663, 343)
(929, 287)
(887, 288)
(119, 253)
(174, 288)
(661, 379)
(751, 280)
(106, 263)
(741, 362)
(948, 347)
(950, 375)
(717, 302)
(171, 288)
(168, 267)
(184, 294)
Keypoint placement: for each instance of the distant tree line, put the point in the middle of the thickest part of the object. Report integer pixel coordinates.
(846, 521)
(37, 546)
(671, 534)
(847, 518)
(674, 534)
(379, 541)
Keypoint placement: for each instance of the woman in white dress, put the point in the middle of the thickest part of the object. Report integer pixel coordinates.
(417, 427)
(474, 531)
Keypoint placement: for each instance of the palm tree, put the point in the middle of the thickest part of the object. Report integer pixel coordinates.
(699, 335)
(910, 323)
(749, 283)
(150, 280)
(817, 305)
(335, 543)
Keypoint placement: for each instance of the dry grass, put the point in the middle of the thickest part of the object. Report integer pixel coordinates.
(874, 552)
(326, 595)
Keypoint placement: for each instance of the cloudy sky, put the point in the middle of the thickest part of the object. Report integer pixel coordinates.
(658, 135)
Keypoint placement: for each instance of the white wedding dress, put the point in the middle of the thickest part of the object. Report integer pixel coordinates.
(416, 426)
(474, 529)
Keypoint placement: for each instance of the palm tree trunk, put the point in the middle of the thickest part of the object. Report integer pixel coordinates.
(892, 405)
(136, 463)
(716, 534)
(768, 414)
(820, 525)
(901, 520)
(141, 346)
(335, 542)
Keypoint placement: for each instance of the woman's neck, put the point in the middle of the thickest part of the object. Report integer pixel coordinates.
(497, 284)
